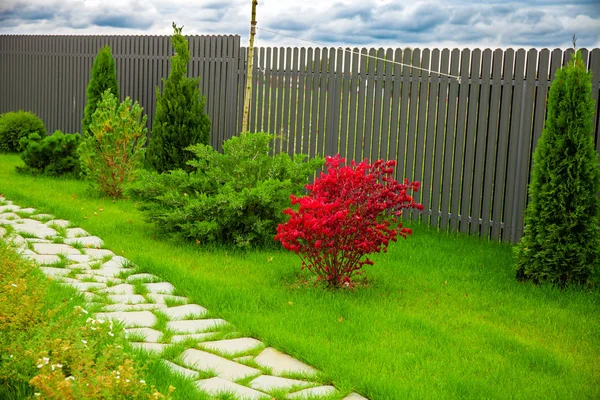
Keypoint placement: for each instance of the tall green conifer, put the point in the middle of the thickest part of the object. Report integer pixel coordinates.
(179, 120)
(103, 77)
(561, 243)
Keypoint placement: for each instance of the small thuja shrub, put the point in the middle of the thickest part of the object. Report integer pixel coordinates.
(114, 149)
(350, 212)
(17, 125)
(103, 77)
(561, 243)
(52, 155)
(235, 197)
(180, 120)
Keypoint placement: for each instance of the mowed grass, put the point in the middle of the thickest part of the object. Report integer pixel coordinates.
(441, 316)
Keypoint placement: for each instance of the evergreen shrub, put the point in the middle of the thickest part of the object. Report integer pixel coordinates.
(17, 125)
(52, 155)
(561, 242)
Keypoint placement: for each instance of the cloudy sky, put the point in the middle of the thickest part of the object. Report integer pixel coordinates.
(362, 23)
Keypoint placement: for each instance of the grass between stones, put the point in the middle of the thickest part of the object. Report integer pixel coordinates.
(440, 316)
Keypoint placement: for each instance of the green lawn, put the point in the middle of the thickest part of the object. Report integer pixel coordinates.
(441, 317)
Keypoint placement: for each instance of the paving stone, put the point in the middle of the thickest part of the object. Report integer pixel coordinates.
(98, 253)
(63, 223)
(110, 272)
(10, 207)
(216, 386)
(127, 298)
(196, 336)
(160, 288)
(120, 261)
(132, 307)
(84, 266)
(354, 396)
(160, 298)
(51, 248)
(51, 272)
(89, 297)
(67, 280)
(79, 258)
(98, 278)
(76, 232)
(42, 216)
(141, 277)
(224, 368)
(195, 325)
(38, 230)
(123, 288)
(150, 335)
(244, 359)
(131, 319)
(9, 218)
(85, 286)
(150, 347)
(36, 240)
(25, 251)
(180, 312)
(232, 346)
(112, 264)
(178, 370)
(17, 240)
(268, 383)
(44, 259)
(2, 231)
(28, 210)
(86, 241)
(312, 392)
(282, 363)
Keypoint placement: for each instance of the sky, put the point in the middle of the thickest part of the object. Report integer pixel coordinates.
(365, 23)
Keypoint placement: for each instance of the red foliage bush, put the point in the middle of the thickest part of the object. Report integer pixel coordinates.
(351, 211)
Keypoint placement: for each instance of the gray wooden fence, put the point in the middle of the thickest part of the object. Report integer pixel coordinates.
(468, 142)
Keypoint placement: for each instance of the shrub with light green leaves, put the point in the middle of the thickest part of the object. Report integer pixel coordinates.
(235, 197)
(113, 151)
(52, 155)
(17, 125)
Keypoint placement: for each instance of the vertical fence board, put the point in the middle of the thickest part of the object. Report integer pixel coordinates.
(543, 83)
(335, 88)
(287, 131)
(360, 120)
(301, 99)
(421, 125)
(387, 103)
(396, 72)
(435, 136)
(344, 111)
(322, 88)
(401, 167)
(309, 94)
(378, 97)
(595, 67)
(353, 113)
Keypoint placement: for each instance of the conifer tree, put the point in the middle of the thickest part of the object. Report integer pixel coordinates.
(103, 77)
(561, 243)
(179, 120)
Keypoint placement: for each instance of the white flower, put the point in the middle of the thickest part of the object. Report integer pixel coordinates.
(40, 365)
(46, 360)
(111, 334)
(11, 356)
(14, 285)
(127, 380)
(83, 311)
(143, 382)
(70, 378)
(59, 366)
(83, 341)
(37, 394)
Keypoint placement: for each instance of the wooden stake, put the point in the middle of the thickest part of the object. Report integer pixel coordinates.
(249, 75)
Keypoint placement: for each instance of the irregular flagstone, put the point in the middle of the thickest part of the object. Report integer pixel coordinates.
(25, 251)
(120, 261)
(160, 298)
(268, 383)
(63, 223)
(85, 286)
(38, 230)
(9, 216)
(195, 325)
(160, 288)
(79, 258)
(244, 359)
(123, 288)
(216, 386)
(98, 253)
(282, 363)
(224, 368)
(76, 232)
(127, 298)
(195, 336)
(2, 231)
(110, 272)
(150, 347)
(112, 264)
(90, 297)
(141, 277)
(132, 307)
(354, 396)
(99, 278)
(131, 319)
(180, 312)
(150, 335)
(36, 240)
(17, 240)
(232, 346)
(9, 207)
(42, 216)
(28, 210)
(51, 248)
(83, 266)
(44, 259)
(178, 370)
(312, 392)
(48, 271)
(86, 241)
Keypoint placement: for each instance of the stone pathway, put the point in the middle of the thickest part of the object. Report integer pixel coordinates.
(215, 358)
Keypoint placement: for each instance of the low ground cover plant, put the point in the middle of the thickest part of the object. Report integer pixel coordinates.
(235, 197)
(561, 243)
(17, 125)
(113, 151)
(52, 155)
(350, 212)
(50, 347)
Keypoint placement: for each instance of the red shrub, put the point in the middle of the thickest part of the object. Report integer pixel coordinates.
(350, 212)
